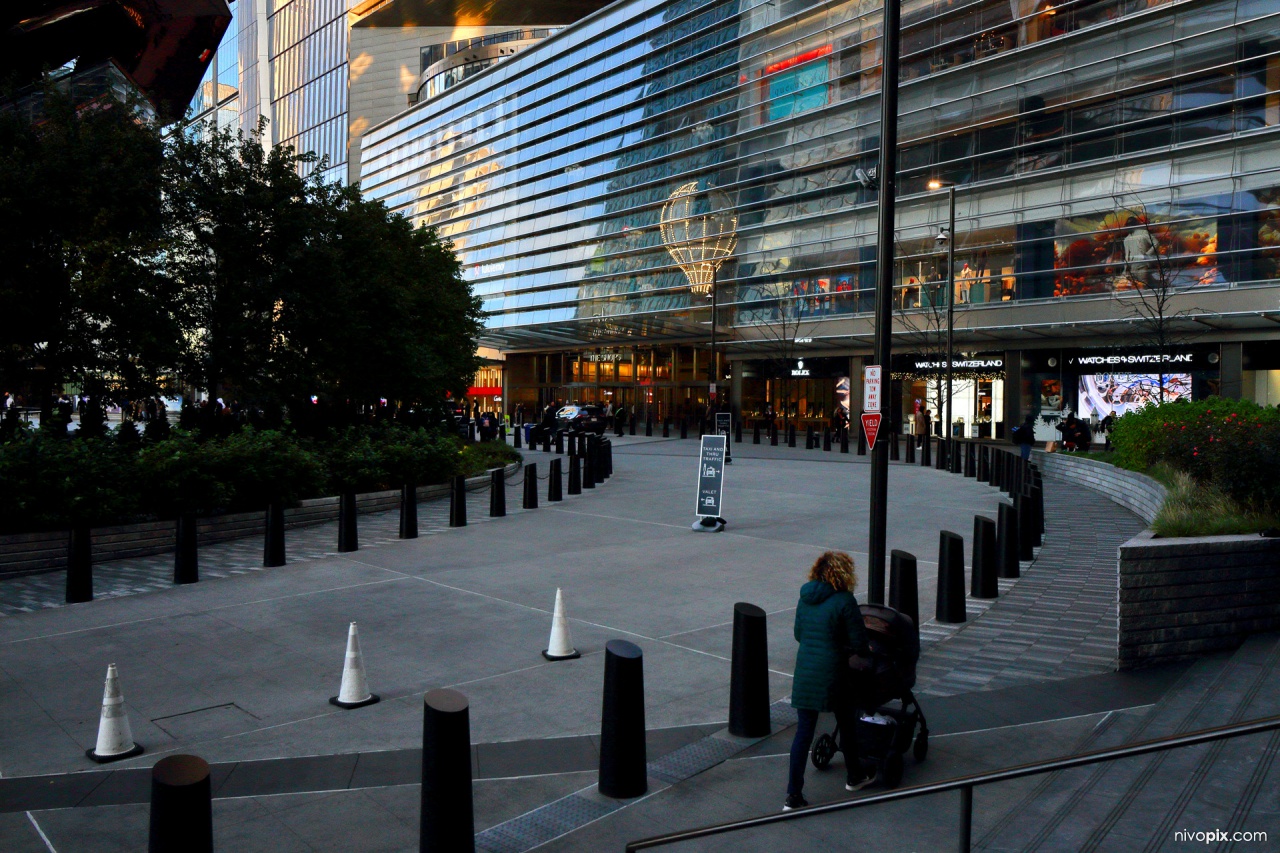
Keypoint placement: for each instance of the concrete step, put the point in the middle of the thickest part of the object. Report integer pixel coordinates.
(1137, 804)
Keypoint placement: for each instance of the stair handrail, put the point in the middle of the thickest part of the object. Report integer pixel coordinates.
(966, 784)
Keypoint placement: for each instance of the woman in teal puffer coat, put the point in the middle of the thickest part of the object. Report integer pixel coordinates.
(829, 629)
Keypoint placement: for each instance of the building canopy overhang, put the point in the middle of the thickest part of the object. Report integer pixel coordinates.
(472, 13)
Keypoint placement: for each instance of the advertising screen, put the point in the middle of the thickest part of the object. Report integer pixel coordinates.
(1116, 393)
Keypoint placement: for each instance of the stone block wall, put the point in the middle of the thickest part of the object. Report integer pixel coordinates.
(1185, 597)
(1136, 492)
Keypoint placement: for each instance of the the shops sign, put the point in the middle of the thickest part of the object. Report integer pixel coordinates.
(602, 356)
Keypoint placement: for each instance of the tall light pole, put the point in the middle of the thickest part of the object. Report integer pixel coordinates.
(887, 174)
(950, 236)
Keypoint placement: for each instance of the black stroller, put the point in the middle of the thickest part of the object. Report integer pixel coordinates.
(885, 735)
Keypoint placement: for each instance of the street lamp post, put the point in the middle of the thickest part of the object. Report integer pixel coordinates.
(950, 236)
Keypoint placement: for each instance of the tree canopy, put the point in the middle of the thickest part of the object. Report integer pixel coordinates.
(133, 259)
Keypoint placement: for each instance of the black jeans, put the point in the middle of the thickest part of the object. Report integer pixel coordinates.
(805, 731)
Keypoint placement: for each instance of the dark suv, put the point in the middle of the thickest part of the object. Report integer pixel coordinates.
(582, 419)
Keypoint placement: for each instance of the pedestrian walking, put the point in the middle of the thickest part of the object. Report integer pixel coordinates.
(829, 630)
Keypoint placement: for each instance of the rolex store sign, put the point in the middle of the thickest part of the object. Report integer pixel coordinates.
(800, 369)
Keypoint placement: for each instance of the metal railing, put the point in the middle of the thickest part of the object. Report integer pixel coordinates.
(966, 784)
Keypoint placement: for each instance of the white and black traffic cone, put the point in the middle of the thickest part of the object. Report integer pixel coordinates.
(354, 692)
(115, 738)
(560, 647)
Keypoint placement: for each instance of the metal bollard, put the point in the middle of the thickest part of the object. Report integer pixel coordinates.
(409, 510)
(826, 439)
(970, 459)
(951, 607)
(273, 546)
(348, 532)
(684, 427)
(810, 437)
(982, 581)
(79, 565)
(530, 486)
(186, 557)
(844, 440)
(559, 442)
(447, 818)
(648, 427)
(181, 806)
(666, 428)
(910, 457)
(895, 447)
(622, 738)
(589, 478)
(1026, 532)
(904, 596)
(755, 433)
(575, 475)
(862, 441)
(791, 435)
(749, 673)
(984, 464)
(926, 452)
(497, 493)
(1007, 549)
(554, 485)
(546, 442)
(519, 431)
(458, 502)
(633, 423)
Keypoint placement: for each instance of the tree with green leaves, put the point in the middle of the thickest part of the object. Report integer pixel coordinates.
(81, 232)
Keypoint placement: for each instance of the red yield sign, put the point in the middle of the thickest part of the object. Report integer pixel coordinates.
(871, 426)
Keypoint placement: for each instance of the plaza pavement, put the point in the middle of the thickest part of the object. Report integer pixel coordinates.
(238, 669)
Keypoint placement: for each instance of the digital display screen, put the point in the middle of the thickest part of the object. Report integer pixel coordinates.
(1102, 394)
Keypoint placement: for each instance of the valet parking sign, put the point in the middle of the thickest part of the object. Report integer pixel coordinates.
(711, 475)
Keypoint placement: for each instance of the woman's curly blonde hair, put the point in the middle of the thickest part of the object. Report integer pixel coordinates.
(837, 569)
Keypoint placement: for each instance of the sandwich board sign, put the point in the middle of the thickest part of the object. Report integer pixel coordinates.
(711, 475)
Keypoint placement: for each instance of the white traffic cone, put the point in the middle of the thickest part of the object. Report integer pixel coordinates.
(115, 738)
(560, 647)
(354, 692)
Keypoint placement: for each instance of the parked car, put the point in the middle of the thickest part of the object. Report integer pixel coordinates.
(582, 419)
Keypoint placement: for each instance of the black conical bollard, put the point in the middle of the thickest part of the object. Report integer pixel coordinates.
(958, 451)
(910, 458)
(409, 509)
(633, 424)
(530, 486)
(458, 502)
(862, 441)
(546, 442)
(648, 427)
(497, 493)
(559, 442)
(1026, 531)
(181, 806)
(810, 437)
(926, 452)
(1007, 565)
(554, 484)
(348, 534)
(575, 475)
(826, 438)
(79, 565)
(791, 435)
(519, 431)
(186, 556)
(895, 447)
(773, 435)
(608, 459)
(755, 433)
(844, 440)
(684, 427)
(589, 468)
(950, 577)
(447, 817)
(941, 459)
(970, 459)
(622, 737)
(749, 673)
(273, 548)
(666, 428)
(982, 581)
(984, 464)
(904, 595)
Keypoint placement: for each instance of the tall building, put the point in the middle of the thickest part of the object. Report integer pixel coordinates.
(1114, 163)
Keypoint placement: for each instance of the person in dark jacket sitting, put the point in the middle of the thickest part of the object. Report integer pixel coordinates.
(829, 629)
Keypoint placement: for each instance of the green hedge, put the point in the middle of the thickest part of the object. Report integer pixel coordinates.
(1231, 445)
(50, 482)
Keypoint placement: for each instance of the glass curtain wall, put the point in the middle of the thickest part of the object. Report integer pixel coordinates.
(1097, 147)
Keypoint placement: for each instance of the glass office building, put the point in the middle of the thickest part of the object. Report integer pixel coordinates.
(1103, 153)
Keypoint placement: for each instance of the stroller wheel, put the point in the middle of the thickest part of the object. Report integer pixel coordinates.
(824, 749)
(921, 749)
(891, 770)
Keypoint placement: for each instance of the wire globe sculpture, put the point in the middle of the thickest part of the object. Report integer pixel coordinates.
(700, 230)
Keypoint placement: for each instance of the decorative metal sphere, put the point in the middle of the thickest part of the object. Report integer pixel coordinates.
(700, 230)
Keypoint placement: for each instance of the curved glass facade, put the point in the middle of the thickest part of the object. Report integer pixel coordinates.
(1067, 127)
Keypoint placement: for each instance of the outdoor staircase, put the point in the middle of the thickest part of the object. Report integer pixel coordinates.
(1138, 804)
